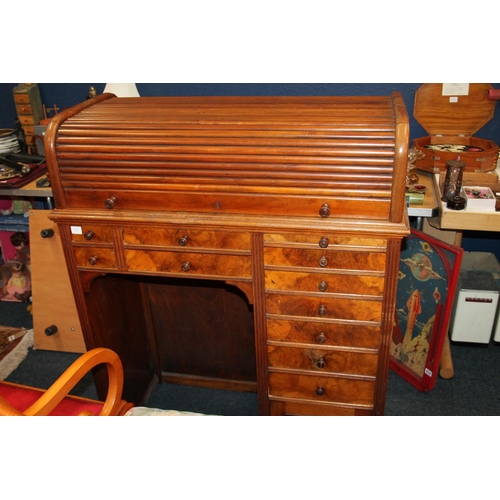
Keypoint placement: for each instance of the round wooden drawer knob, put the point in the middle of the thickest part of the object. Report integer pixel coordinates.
(323, 242)
(183, 241)
(93, 260)
(88, 235)
(110, 202)
(185, 267)
(320, 391)
(325, 211)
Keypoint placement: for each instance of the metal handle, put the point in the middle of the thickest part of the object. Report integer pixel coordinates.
(185, 267)
(183, 241)
(323, 262)
(321, 338)
(323, 286)
(320, 391)
(322, 310)
(323, 242)
(93, 260)
(88, 235)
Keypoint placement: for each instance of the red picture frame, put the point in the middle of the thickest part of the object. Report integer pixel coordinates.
(427, 282)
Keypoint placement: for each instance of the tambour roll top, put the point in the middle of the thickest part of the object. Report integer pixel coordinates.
(320, 157)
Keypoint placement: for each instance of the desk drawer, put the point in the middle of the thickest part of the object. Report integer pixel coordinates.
(323, 333)
(324, 259)
(322, 282)
(323, 360)
(322, 241)
(92, 233)
(185, 237)
(189, 263)
(324, 389)
(324, 307)
(95, 257)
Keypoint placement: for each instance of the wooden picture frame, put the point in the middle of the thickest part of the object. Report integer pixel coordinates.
(427, 281)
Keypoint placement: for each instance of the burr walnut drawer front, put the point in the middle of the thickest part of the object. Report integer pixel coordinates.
(323, 360)
(186, 263)
(324, 259)
(186, 238)
(92, 234)
(95, 257)
(354, 283)
(323, 333)
(315, 241)
(324, 307)
(318, 388)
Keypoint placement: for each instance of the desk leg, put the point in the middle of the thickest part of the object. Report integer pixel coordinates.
(419, 224)
(446, 369)
(446, 365)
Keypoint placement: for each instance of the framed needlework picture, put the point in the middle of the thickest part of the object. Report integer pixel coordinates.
(427, 281)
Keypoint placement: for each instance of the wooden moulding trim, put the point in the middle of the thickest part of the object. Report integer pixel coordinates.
(400, 157)
(50, 144)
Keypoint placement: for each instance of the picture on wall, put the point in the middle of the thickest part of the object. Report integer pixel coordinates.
(427, 280)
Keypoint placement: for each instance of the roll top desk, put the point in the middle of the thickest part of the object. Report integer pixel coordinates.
(247, 243)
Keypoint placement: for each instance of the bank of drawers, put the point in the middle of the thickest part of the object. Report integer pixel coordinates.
(171, 251)
(324, 307)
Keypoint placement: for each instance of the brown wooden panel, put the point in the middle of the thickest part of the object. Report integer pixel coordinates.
(186, 237)
(336, 389)
(323, 333)
(324, 307)
(189, 263)
(323, 360)
(203, 328)
(51, 287)
(331, 283)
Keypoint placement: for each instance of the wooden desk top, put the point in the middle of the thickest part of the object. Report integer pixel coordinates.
(29, 190)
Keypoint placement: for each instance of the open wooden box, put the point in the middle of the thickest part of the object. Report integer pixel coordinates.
(449, 122)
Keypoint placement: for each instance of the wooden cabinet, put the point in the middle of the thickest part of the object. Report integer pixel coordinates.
(240, 243)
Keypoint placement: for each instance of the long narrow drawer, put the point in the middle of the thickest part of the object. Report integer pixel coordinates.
(324, 259)
(189, 263)
(320, 388)
(283, 408)
(323, 360)
(324, 307)
(323, 333)
(323, 241)
(322, 282)
(186, 237)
